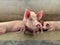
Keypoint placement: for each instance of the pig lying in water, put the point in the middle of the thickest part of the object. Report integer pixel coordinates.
(13, 26)
(31, 21)
(51, 25)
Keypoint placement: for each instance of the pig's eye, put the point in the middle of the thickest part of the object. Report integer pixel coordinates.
(47, 25)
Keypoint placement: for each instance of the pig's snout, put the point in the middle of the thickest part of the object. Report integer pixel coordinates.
(38, 25)
(45, 28)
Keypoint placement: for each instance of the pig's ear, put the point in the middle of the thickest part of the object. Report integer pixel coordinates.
(27, 13)
(39, 15)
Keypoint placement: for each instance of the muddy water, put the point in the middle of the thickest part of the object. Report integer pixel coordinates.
(54, 35)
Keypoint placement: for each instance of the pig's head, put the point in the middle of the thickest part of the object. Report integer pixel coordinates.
(31, 19)
(46, 26)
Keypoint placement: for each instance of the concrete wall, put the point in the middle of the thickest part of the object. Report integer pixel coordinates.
(48, 6)
(18, 6)
(12, 6)
(14, 9)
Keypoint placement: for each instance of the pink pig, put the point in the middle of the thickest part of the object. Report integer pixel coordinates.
(31, 21)
(13, 26)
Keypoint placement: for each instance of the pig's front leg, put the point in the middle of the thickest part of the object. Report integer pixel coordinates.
(22, 29)
(34, 32)
(41, 31)
(17, 28)
(51, 29)
(41, 28)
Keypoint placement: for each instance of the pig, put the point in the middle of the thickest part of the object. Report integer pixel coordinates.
(12, 26)
(31, 21)
(51, 25)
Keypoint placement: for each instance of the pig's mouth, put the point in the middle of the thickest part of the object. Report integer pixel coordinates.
(45, 29)
(31, 30)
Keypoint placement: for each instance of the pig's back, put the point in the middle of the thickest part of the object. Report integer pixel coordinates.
(9, 25)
